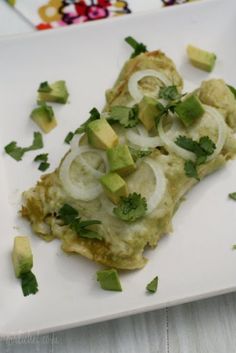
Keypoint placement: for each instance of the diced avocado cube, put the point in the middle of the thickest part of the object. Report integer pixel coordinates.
(114, 186)
(148, 111)
(55, 92)
(101, 135)
(201, 59)
(189, 110)
(22, 255)
(44, 117)
(120, 160)
(109, 280)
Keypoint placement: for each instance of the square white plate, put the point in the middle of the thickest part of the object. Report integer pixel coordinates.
(195, 261)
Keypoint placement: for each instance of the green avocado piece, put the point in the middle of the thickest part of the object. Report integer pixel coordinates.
(120, 160)
(189, 110)
(201, 59)
(55, 92)
(22, 256)
(109, 280)
(44, 117)
(114, 186)
(148, 111)
(152, 286)
(101, 135)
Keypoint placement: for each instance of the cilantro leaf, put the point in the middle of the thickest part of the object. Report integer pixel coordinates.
(152, 286)
(189, 145)
(234, 247)
(125, 116)
(138, 47)
(232, 196)
(136, 153)
(41, 157)
(70, 216)
(44, 166)
(94, 115)
(169, 93)
(191, 170)
(131, 208)
(69, 137)
(207, 145)
(44, 87)
(17, 152)
(233, 90)
(29, 283)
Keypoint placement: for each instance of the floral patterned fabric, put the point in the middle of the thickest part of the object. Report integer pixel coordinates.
(46, 14)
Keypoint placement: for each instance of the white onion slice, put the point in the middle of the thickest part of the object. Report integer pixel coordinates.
(142, 140)
(171, 145)
(160, 187)
(79, 190)
(96, 173)
(222, 130)
(134, 88)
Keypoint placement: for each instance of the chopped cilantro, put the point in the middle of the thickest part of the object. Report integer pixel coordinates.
(70, 216)
(233, 90)
(44, 166)
(136, 153)
(202, 149)
(69, 137)
(17, 152)
(44, 87)
(125, 116)
(152, 286)
(234, 247)
(169, 93)
(29, 283)
(232, 195)
(191, 170)
(138, 47)
(43, 158)
(131, 208)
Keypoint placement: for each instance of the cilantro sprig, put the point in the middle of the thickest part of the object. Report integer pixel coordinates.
(169, 93)
(18, 152)
(70, 216)
(202, 149)
(138, 47)
(29, 283)
(137, 153)
(131, 208)
(125, 116)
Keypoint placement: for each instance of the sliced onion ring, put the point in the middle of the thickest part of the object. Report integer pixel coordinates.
(78, 190)
(222, 130)
(160, 187)
(142, 140)
(134, 88)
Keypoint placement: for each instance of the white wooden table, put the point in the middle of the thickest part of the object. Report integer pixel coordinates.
(207, 326)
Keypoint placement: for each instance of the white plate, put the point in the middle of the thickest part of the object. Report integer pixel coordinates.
(196, 261)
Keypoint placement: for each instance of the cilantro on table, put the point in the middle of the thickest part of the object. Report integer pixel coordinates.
(29, 283)
(232, 195)
(125, 116)
(137, 153)
(152, 286)
(138, 47)
(70, 216)
(131, 208)
(17, 152)
(43, 158)
(94, 115)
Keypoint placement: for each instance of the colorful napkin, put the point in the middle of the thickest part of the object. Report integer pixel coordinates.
(46, 14)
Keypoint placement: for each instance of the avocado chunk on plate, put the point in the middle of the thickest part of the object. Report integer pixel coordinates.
(22, 256)
(189, 110)
(44, 117)
(109, 280)
(148, 111)
(55, 92)
(120, 160)
(114, 186)
(101, 135)
(200, 58)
